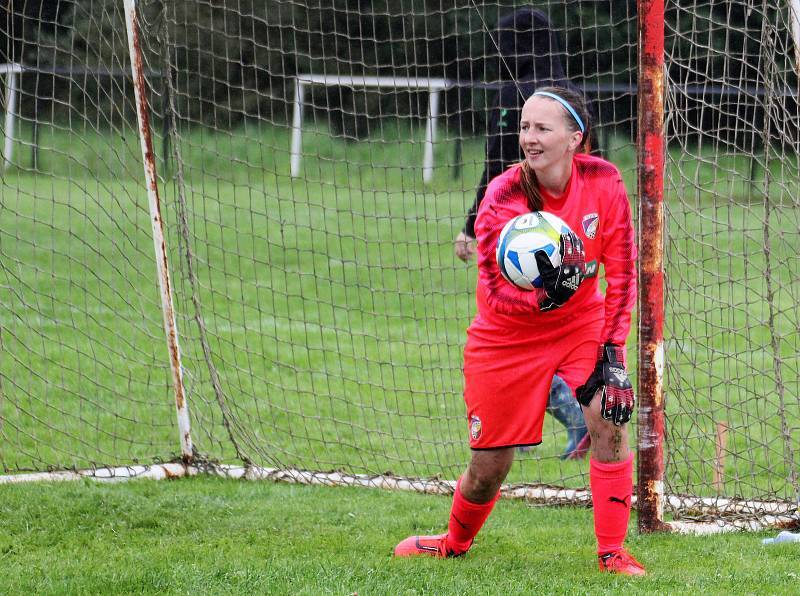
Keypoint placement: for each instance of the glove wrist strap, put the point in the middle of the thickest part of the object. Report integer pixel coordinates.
(613, 353)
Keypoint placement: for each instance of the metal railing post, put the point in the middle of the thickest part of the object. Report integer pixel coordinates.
(12, 72)
(297, 128)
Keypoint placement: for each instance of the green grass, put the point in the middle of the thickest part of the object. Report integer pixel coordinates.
(212, 536)
(336, 310)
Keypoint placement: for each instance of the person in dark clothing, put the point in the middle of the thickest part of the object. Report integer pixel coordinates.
(529, 59)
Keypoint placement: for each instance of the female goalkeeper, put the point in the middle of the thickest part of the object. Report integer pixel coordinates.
(519, 339)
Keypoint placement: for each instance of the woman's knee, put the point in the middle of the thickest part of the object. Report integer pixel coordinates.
(609, 442)
(486, 480)
(487, 470)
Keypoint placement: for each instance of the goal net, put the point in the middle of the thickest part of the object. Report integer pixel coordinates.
(315, 162)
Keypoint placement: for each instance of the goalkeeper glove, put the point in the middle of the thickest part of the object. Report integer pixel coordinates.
(560, 283)
(609, 374)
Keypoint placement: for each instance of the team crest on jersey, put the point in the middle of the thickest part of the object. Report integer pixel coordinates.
(590, 223)
(475, 427)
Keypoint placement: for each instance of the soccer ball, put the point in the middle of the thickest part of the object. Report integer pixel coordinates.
(519, 241)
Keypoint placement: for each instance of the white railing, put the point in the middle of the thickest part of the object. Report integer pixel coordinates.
(434, 87)
(12, 72)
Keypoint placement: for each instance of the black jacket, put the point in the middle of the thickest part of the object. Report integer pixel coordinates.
(530, 60)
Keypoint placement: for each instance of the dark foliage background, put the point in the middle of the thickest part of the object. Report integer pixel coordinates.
(235, 59)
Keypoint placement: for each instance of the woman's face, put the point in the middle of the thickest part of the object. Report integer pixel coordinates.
(544, 136)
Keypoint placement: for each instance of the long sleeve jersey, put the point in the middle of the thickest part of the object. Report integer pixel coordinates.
(596, 207)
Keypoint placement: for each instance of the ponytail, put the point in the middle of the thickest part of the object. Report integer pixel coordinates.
(530, 186)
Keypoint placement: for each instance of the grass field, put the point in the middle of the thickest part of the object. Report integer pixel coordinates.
(212, 536)
(336, 311)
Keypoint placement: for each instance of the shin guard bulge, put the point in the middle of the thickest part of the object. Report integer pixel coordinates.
(612, 486)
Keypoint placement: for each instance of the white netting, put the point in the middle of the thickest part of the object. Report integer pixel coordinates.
(733, 401)
(322, 315)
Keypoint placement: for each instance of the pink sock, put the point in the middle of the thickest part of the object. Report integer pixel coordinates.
(612, 486)
(466, 519)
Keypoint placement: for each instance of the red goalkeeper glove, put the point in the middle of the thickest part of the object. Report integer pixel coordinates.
(560, 283)
(609, 374)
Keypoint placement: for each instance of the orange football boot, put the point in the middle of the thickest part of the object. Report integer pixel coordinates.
(435, 546)
(621, 562)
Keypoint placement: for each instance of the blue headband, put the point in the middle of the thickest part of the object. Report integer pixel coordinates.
(566, 105)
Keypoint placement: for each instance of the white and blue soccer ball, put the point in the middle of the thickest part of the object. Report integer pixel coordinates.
(522, 237)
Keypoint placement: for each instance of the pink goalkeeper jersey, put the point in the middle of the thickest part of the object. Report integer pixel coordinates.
(595, 205)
